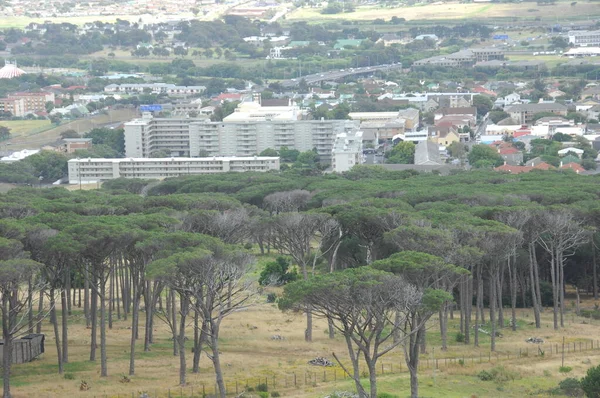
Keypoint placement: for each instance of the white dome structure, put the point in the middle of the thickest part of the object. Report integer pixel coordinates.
(10, 70)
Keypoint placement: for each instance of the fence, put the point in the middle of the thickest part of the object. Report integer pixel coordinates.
(26, 348)
(331, 375)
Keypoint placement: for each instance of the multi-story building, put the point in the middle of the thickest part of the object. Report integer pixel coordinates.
(524, 113)
(16, 106)
(154, 88)
(85, 171)
(33, 102)
(584, 38)
(347, 151)
(248, 131)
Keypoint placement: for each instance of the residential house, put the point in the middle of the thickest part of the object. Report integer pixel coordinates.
(577, 168)
(427, 153)
(444, 135)
(565, 151)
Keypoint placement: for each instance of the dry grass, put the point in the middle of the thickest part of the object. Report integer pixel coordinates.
(35, 140)
(249, 353)
(24, 127)
(450, 10)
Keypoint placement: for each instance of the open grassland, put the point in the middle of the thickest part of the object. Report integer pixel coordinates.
(458, 11)
(32, 138)
(20, 128)
(250, 356)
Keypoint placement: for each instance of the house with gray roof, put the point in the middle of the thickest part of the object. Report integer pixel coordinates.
(524, 113)
(427, 153)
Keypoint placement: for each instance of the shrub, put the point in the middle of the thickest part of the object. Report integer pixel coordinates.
(271, 297)
(69, 376)
(484, 375)
(590, 384)
(263, 394)
(461, 362)
(571, 387)
(460, 337)
(386, 395)
(248, 246)
(277, 273)
(501, 375)
(275, 394)
(565, 369)
(249, 389)
(263, 387)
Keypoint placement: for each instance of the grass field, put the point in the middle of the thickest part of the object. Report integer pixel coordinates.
(250, 356)
(450, 11)
(32, 139)
(20, 128)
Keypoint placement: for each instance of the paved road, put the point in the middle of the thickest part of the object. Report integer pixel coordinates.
(339, 74)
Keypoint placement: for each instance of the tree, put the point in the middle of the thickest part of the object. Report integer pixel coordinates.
(435, 278)
(483, 104)
(269, 152)
(484, 156)
(4, 133)
(496, 116)
(590, 383)
(402, 153)
(288, 155)
(294, 233)
(16, 269)
(361, 303)
(277, 273)
(70, 133)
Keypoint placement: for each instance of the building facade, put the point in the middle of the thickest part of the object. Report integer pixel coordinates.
(234, 137)
(584, 38)
(86, 171)
(347, 151)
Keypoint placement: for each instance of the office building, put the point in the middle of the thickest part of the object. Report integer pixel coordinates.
(584, 38)
(86, 171)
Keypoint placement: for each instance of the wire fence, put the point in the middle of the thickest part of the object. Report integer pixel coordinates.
(308, 379)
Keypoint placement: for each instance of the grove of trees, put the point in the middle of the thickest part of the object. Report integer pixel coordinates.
(378, 253)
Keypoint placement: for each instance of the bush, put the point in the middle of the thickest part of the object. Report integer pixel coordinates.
(386, 395)
(590, 384)
(271, 297)
(277, 273)
(263, 387)
(484, 375)
(69, 376)
(275, 394)
(460, 337)
(565, 369)
(263, 394)
(571, 387)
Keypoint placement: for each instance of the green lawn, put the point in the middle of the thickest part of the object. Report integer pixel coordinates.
(25, 127)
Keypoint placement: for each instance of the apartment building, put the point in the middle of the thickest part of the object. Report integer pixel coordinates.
(33, 102)
(524, 113)
(16, 106)
(584, 38)
(246, 132)
(86, 171)
(154, 88)
(347, 151)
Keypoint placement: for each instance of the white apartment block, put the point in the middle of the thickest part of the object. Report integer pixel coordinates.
(86, 171)
(235, 136)
(154, 88)
(347, 151)
(584, 38)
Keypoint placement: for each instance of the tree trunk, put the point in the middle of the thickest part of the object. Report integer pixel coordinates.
(56, 333)
(94, 322)
(29, 306)
(308, 331)
(134, 325)
(594, 269)
(181, 340)
(38, 327)
(216, 358)
(372, 364)
(413, 361)
(512, 274)
(174, 322)
(86, 296)
(149, 304)
(554, 278)
(534, 299)
(101, 296)
(444, 326)
(65, 325)
(111, 292)
(331, 329)
(493, 308)
(203, 335)
(478, 309)
(561, 286)
(7, 351)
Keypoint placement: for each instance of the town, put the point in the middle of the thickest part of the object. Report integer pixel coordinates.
(360, 199)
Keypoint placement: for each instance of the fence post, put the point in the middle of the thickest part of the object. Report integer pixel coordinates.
(203, 391)
(334, 375)
(382, 369)
(294, 379)
(324, 376)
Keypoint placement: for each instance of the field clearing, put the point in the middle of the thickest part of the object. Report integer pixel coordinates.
(36, 140)
(550, 60)
(249, 354)
(449, 11)
(24, 127)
